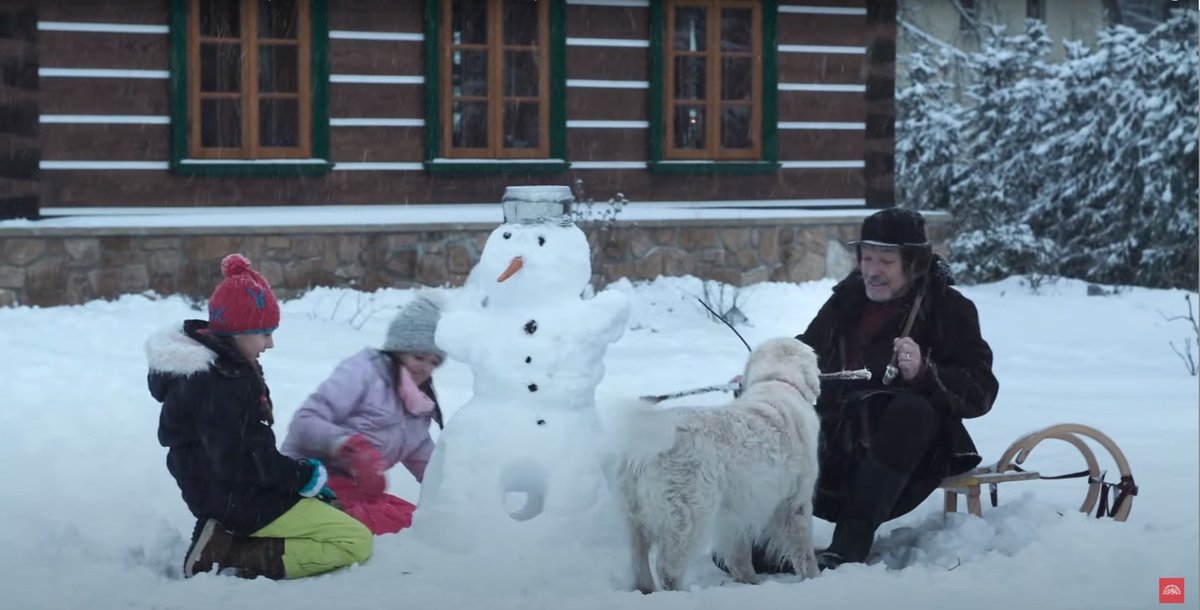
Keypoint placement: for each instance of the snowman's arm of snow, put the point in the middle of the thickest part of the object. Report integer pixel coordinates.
(606, 315)
(458, 332)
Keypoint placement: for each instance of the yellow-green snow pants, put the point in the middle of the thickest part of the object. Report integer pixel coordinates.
(318, 538)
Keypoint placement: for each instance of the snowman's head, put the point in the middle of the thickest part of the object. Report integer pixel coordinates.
(531, 262)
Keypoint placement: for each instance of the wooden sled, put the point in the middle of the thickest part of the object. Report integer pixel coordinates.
(1005, 470)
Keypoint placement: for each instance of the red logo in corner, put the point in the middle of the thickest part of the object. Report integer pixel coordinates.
(1170, 590)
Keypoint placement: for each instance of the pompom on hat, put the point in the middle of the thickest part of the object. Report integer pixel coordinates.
(412, 329)
(243, 302)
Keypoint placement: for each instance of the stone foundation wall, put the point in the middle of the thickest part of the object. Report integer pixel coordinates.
(47, 267)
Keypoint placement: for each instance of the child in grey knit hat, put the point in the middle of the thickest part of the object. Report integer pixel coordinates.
(374, 412)
(413, 328)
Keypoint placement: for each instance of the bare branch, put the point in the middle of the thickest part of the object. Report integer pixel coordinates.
(967, 16)
(913, 29)
(1189, 361)
(1187, 354)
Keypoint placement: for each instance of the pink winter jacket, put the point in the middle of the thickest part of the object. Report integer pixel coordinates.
(360, 398)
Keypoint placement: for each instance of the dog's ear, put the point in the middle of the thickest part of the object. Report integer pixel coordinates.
(810, 371)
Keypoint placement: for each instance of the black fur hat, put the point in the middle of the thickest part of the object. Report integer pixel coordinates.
(893, 227)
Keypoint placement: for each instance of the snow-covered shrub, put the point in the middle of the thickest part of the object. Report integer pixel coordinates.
(986, 255)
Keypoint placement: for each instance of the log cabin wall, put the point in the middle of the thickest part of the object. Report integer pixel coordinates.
(106, 107)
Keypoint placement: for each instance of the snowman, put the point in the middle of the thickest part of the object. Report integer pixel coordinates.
(522, 460)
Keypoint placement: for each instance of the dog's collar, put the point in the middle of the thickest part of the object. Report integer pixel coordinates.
(794, 386)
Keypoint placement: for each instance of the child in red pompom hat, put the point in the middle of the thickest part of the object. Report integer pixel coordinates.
(243, 302)
(257, 511)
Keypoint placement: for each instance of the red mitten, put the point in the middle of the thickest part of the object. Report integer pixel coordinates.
(365, 464)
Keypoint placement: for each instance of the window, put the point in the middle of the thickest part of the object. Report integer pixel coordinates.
(712, 80)
(1035, 9)
(246, 87)
(714, 85)
(496, 64)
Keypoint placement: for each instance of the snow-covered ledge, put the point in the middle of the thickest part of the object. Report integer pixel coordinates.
(72, 255)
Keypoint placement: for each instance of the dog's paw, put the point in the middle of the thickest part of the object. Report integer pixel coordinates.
(643, 587)
(746, 578)
(807, 566)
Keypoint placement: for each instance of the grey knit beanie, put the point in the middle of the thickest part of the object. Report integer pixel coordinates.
(413, 328)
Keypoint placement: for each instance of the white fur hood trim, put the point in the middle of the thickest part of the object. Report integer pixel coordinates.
(171, 351)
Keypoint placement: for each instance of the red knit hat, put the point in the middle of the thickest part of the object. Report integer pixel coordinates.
(243, 302)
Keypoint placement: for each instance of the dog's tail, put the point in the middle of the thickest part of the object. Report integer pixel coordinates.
(637, 429)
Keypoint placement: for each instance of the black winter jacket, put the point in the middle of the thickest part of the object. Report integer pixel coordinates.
(216, 423)
(960, 385)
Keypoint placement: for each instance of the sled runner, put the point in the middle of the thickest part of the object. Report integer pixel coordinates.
(1008, 469)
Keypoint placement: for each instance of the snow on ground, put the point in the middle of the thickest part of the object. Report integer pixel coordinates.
(92, 519)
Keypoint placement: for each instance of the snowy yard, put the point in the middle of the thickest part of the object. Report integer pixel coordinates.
(93, 520)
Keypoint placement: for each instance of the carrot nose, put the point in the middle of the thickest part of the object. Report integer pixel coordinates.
(513, 267)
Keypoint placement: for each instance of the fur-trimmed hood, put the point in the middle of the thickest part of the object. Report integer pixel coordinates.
(171, 351)
(183, 351)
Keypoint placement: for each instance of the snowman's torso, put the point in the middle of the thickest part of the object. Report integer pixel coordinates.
(543, 357)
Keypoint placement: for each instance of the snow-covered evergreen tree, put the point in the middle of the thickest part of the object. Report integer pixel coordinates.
(1169, 158)
(1086, 168)
(927, 128)
(1000, 170)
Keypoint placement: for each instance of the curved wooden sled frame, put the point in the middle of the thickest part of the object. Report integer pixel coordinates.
(1005, 470)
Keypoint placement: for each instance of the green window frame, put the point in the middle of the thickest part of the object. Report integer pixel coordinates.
(440, 159)
(663, 159)
(189, 159)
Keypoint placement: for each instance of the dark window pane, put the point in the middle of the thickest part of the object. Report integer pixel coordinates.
(690, 78)
(737, 78)
(521, 22)
(521, 73)
(220, 18)
(277, 19)
(469, 125)
(521, 125)
(689, 28)
(737, 30)
(689, 127)
(735, 127)
(279, 123)
(469, 73)
(220, 67)
(278, 68)
(468, 22)
(221, 123)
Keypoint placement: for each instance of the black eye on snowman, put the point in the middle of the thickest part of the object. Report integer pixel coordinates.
(507, 235)
(541, 240)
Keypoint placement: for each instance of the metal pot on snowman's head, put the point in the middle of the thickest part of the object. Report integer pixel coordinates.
(532, 205)
(535, 205)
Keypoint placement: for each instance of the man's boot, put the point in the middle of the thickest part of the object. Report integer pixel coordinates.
(874, 492)
(254, 557)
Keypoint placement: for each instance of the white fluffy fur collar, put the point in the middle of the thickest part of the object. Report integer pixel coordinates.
(171, 351)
